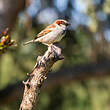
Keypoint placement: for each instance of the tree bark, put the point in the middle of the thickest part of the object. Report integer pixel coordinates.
(37, 77)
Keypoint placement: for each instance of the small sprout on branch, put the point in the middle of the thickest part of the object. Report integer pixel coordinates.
(5, 41)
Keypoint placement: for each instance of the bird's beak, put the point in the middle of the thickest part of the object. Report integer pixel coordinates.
(68, 24)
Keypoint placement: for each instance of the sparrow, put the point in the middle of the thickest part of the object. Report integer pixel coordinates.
(52, 33)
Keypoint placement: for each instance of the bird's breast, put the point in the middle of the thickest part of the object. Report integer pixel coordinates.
(53, 36)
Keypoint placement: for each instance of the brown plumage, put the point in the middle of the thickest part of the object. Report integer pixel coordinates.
(52, 33)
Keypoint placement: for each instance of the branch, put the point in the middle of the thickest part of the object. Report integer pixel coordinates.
(37, 77)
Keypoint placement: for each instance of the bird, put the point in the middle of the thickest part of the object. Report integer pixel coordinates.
(52, 33)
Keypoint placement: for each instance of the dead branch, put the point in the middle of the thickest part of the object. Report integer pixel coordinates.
(37, 77)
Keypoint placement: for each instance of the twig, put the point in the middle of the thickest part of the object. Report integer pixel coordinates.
(37, 77)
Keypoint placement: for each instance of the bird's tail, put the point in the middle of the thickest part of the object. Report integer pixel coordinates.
(28, 42)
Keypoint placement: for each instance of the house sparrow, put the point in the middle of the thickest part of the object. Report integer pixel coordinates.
(52, 33)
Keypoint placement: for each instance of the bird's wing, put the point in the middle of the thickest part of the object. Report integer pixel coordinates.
(46, 30)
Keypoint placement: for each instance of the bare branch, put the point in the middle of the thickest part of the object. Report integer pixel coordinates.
(37, 77)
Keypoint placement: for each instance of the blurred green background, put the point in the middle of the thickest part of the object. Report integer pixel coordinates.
(79, 82)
